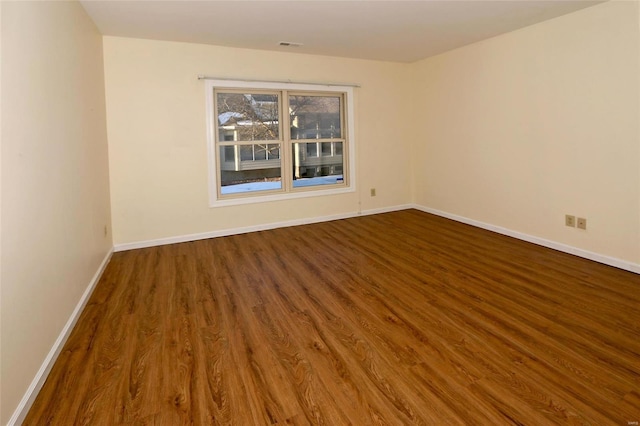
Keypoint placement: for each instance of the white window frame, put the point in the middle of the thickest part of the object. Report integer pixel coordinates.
(255, 197)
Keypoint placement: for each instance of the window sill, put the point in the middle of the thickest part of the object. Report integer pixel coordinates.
(257, 199)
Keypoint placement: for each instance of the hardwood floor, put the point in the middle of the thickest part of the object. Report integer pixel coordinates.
(393, 319)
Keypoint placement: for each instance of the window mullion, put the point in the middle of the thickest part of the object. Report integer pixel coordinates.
(285, 151)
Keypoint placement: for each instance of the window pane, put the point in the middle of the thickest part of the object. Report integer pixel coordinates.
(246, 168)
(246, 152)
(273, 151)
(227, 154)
(247, 117)
(312, 149)
(328, 148)
(315, 117)
(317, 170)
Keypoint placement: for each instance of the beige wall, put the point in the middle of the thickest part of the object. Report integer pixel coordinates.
(1, 410)
(515, 131)
(55, 189)
(158, 145)
(521, 129)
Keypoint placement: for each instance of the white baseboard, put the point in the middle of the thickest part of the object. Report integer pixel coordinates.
(41, 376)
(246, 229)
(611, 261)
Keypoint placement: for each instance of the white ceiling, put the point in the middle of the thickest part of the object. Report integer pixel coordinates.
(402, 31)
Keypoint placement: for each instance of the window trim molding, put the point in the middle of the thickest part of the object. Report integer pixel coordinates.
(215, 201)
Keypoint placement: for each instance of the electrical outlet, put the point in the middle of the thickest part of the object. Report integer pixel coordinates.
(570, 220)
(582, 223)
(373, 192)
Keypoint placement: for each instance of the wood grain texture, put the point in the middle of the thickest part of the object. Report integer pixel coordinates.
(393, 319)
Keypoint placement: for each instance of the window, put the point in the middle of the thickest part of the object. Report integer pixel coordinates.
(248, 141)
(270, 141)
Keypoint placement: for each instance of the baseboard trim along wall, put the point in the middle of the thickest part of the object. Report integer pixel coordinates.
(611, 261)
(41, 376)
(247, 229)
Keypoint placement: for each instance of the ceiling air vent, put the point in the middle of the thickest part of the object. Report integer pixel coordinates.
(290, 44)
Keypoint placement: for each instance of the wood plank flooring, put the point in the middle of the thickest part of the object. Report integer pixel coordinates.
(394, 319)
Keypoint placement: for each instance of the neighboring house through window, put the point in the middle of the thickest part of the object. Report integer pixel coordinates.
(271, 141)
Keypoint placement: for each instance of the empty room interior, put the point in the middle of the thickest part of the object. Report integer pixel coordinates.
(320, 212)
